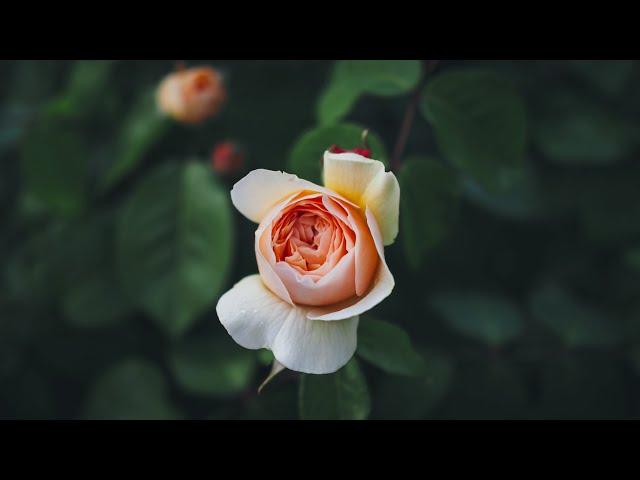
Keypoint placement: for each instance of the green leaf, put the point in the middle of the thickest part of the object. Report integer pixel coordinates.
(133, 389)
(13, 120)
(572, 129)
(480, 124)
(610, 76)
(174, 244)
(96, 302)
(388, 347)
(428, 206)
(215, 367)
(55, 164)
(336, 102)
(578, 325)
(632, 258)
(405, 398)
(522, 201)
(88, 81)
(491, 319)
(342, 395)
(306, 156)
(265, 357)
(140, 130)
(352, 78)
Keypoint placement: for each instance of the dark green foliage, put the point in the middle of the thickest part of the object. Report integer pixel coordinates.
(517, 265)
(337, 396)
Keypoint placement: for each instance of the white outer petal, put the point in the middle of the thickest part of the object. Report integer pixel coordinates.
(315, 347)
(383, 284)
(257, 193)
(256, 318)
(252, 315)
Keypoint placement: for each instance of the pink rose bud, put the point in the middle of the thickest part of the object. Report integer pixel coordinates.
(227, 158)
(191, 95)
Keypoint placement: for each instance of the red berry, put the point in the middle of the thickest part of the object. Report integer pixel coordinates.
(365, 152)
(227, 158)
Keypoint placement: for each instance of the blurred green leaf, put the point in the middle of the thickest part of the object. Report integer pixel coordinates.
(404, 398)
(578, 325)
(633, 258)
(491, 319)
(174, 244)
(342, 395)
(352, 78)
(572, 129)
(54, 163)
(144, 126)
(388, 347)
(273, 404)
(306, 156)
(88, 81)
(480, 124)
(265, 357)
(133, 389)
(33, 81)
(524, 200)
(215, 367)
(96, 302)
(428, 206)
(13, 120)
(610, 76)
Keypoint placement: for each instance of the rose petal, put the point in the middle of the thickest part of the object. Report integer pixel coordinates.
(366, 257)
(256, 318)
(335, 286)
(383, 284)
(349, 174)
(309, 346)
(364, 182)
(257, 193)
(252, 315)
(382, 197)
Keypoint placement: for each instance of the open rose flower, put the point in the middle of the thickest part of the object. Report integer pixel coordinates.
(191, 95)
(321, 260)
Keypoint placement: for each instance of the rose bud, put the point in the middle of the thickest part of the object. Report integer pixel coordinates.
(191, 95)
(227, 158)
(320, 254)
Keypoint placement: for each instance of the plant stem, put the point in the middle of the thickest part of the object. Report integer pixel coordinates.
(409, 114)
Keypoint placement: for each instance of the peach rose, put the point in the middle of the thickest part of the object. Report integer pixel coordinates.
(191, 95)
(321, 260)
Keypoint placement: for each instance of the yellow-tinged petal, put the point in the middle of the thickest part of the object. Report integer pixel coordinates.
(364, 182)
(349, 174)
(382, 197)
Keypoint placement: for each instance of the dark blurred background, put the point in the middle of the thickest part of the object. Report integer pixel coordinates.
(523, 300)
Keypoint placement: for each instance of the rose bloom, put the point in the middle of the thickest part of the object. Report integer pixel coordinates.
(191, 95)
(321, 260)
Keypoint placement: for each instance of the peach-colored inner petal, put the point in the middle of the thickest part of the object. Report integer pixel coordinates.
(310, 239)
(318, 248)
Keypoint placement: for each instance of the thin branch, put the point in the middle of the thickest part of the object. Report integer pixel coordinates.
(409, 114)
